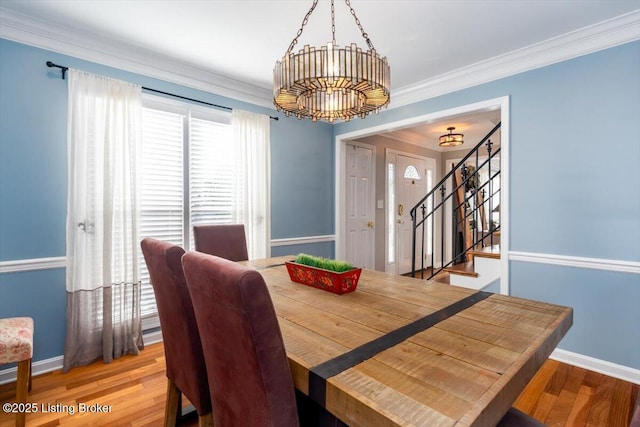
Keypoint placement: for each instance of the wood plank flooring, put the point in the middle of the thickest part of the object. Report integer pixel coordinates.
(134, 388)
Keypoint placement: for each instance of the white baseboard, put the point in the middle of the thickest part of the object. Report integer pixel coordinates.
(38, 368)
(48, 365)
(597, 365)
(601, 366)
(153, 337)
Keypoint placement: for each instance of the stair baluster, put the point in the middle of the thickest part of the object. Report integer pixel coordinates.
(473, 194)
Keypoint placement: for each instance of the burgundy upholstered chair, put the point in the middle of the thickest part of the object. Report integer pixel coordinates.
(517, 418)
(186, 369)
(224, 240)
(635, 418)
(249, 375)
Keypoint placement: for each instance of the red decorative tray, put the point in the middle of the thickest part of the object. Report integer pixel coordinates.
(338, 283)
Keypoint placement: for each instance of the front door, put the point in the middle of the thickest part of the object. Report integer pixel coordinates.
(414, 177)
(359, 192)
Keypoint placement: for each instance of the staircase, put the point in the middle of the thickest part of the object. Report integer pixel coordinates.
(468, 249)
(482, 270)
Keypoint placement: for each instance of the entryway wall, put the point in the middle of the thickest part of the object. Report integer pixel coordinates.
(382, 143)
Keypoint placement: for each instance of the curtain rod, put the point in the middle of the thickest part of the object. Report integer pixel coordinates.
(64, 74)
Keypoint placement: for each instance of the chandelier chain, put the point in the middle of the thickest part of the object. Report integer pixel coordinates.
(304, 22)
(333, 23)
(364, 34)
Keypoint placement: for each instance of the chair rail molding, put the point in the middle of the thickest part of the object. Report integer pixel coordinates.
(32, 264)
(633, 267)
(302, 240)
(574, 261)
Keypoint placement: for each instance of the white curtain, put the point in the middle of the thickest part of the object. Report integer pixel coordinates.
(252, 147)
(103, 281)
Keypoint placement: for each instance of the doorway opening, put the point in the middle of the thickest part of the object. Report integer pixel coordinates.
(380, 202)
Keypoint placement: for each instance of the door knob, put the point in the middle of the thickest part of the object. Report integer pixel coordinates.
(370, 224)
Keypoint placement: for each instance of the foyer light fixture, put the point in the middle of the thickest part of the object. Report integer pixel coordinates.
(331, 82)
(451, 139)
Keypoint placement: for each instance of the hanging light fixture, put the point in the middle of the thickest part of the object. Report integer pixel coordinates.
(331, 83)
(451, 139)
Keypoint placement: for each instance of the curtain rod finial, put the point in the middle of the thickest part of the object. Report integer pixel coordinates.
(63, 69)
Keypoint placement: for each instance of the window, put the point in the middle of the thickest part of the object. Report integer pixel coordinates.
(411, 172)
(187, 176)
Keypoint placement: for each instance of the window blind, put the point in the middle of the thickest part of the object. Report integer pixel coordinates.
(177, 194)
(162, 187)
(211, 173)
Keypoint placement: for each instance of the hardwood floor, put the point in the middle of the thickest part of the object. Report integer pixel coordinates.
(565, 395)
(134, 388)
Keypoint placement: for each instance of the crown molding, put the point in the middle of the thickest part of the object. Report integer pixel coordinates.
(606, 34)
(95, 48)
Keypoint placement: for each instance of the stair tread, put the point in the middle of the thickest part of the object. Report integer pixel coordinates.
(487, 252)
(464, 269)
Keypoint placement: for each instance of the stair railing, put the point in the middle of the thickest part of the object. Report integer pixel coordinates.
(470, 206)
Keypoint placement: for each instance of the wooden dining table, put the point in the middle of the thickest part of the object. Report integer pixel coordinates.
(401, 351)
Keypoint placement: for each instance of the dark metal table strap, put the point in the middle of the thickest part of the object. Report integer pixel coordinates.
(319, 374)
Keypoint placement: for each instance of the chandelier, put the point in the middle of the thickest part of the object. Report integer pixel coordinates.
(331, 82)
(451, 139)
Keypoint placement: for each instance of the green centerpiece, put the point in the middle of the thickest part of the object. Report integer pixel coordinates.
(324, 263)
(328, 274)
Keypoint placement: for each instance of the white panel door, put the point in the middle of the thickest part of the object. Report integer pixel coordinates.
(413, 181)
(360, 234)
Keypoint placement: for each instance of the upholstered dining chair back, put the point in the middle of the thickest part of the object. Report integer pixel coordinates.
(249, 375)
(223, 240)
(517, 418)
(635, 418)
(185, 366)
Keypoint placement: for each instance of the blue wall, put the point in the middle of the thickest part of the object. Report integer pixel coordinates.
(33, 180)
(574, 188)
(575, 185)
(302, 179)
(606, 307)
(324, 249)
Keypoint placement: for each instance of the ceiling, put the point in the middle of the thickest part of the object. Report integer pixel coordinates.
(238, 41)
(242, 39)
(474, 126)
